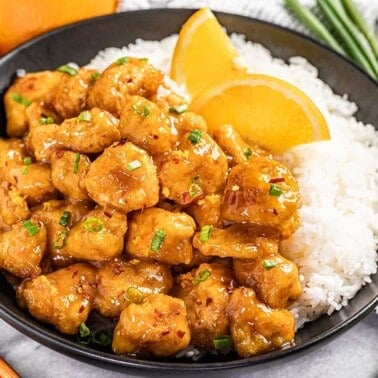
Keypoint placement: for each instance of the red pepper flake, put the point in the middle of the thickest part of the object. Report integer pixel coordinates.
(180, 334)
(275, 180)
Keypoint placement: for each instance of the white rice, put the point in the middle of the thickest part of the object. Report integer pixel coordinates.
(335, 246)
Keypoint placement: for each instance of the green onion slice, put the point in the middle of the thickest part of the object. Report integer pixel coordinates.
(247, 153)
(179, 109)
(205, 233)
(21, 99)
(46, 120)
(202, 276)
(93, 224)
(195, 136)
(134, 295)
(268, 264)
(141, 109)
(157, 240)
(85, 116)
(275, 190)
(30, 227)
(68, 70)
(65, 218)
(95, 76)
(222, 342)
(133, 165)
(195, 186)
(60, 240)
(75, 168)
(27, 160)
(122, 60)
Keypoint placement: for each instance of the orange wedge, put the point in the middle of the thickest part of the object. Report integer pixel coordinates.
(204, 55)
(265, 110)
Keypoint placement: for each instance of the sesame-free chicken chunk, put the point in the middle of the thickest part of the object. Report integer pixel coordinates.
(124, 78)
(68, 170)
(22, 248)
(197, 168)
(256, 328)
(13, 206)
(72, 91)
(123, 177)
(238, 240)
(90, 132)
(157, 326)
(33, 87)
(206, 291)
(120, 283)
(62, 298)
(274, 278)
(161, 235)
(262, 191)
(146, 125)
(98, 236)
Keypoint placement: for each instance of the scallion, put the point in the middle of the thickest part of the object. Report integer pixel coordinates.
(195, 136)
(205, 233)
(30, 227)
(157, 240)
(93, 224)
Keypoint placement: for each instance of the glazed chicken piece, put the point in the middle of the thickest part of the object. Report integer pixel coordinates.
(158, 326)
(98, 236)
(120, 283)
(262, 191)
(234, 146)
(62, 298)
(206, 291)
(143, 123)
(196, 169)
(238, 240)
(33, 182)
(22, 248)
(256, 328)
(59, 218)
(68, 171)
(125, 77)
(123, 177)
(13, 206)
(207, 211)
(38, 114)
(90, 132)
(33, 87)
(274, 278)
(71, 95)
(161, 235)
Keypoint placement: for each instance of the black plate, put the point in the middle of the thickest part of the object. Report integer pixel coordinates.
(79, 43)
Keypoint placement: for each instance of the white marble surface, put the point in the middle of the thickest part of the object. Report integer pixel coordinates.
(352, 355)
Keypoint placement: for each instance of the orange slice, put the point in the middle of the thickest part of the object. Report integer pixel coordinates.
(265, 110)
(204, 55)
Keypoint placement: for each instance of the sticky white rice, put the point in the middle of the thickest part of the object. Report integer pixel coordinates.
(335, 246)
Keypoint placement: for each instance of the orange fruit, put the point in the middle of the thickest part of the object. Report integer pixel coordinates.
(265, 110)
(22, 20)
(204, 55)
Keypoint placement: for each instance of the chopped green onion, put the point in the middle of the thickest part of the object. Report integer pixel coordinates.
(268, 264)
(133, 165)
(247, 153)
(95, 76)
(68, 70)
(93, 224)
(27, 160)
(205, 233)
(76, 163)
(178, 109)
(134, 295)
(102, 338)
(222, 342)
(30, 227)
(141, 109)
(65, 218)
(46, 120)
(195, 187)
(84, 331)
(21, 100)
(85, 116)
(157, 240)
(60, 241)
(275, 190)
(195, 136)
(122, 60)
(202, 276)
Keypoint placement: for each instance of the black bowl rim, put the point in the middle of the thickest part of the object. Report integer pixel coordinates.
(55, 341)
